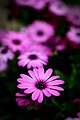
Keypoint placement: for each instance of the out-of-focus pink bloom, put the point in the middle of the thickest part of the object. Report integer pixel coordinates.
(6, 53)
(78, 118)
(25, 100)
(41, 48)
(40, 84)
(78, 114)
(33, 59)
(73, 15)
(17, 41)
(37, 4)
(57, 43)
(40, 31)
(58, 7)
(74, 35)
(69, 118)
(3, 65)
(77, 100)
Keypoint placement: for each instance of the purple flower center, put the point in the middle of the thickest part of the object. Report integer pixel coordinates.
(17, 42)
(40, 85)
(4, 51)
(33, 57)
(78, 34)
(40, 33)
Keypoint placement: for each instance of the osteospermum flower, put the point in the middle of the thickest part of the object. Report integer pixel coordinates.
(17, 41)
(32, 59)
(40, 31)
(37, 4)
(41, 48)
(58, 7)
(73, 15)
(40, 84)
(25, 100)
(6, 53)
(74, 35)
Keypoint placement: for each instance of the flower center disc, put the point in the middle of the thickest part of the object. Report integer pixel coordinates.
(4, 51)
(17, 42)
(40, 33)
(32, 57)
(40, 85)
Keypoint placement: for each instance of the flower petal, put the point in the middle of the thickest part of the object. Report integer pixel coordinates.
(26, 77)
(54, 92)
(52, 78)
(40, 98)
(30, 90)
(56, 88)
(24, 85)
(35, 70)
(32, 74)
(46, 92)
(41, 73)
(48, 73)
(35, 94)
(20, 95)
(56, 82)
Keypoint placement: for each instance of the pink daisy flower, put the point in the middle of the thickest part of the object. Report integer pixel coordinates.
(41, 48)
(40, 84)
(25, 100)
(37, 4)
(58, 7)
(74, 35)
(32, 59)
(6, 53)
(73, 15)
(17, 41)
(40, 31)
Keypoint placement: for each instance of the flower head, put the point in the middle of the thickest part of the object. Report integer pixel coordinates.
(36, 4)
(40, 84)
(73, 15)
(25, 100)
(40, 48)
(17, 41)
(40, 31)
(32, 59)
(6, 53)
(74, 35)
(58, 7)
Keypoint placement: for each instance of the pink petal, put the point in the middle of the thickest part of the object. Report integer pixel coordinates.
(41, 73)
(56, 88)
(40, 98)
(35, 70)
(56, 82)
(21, 102)
(46, 92)
(24, 85)
(48, 73)
(23, 62)
(26, 77)
(29, 65)
(54, 92)
(20, 80)
(20, 95)
(35, 94)
(32, 74)
(52, 78)
(30, 90)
